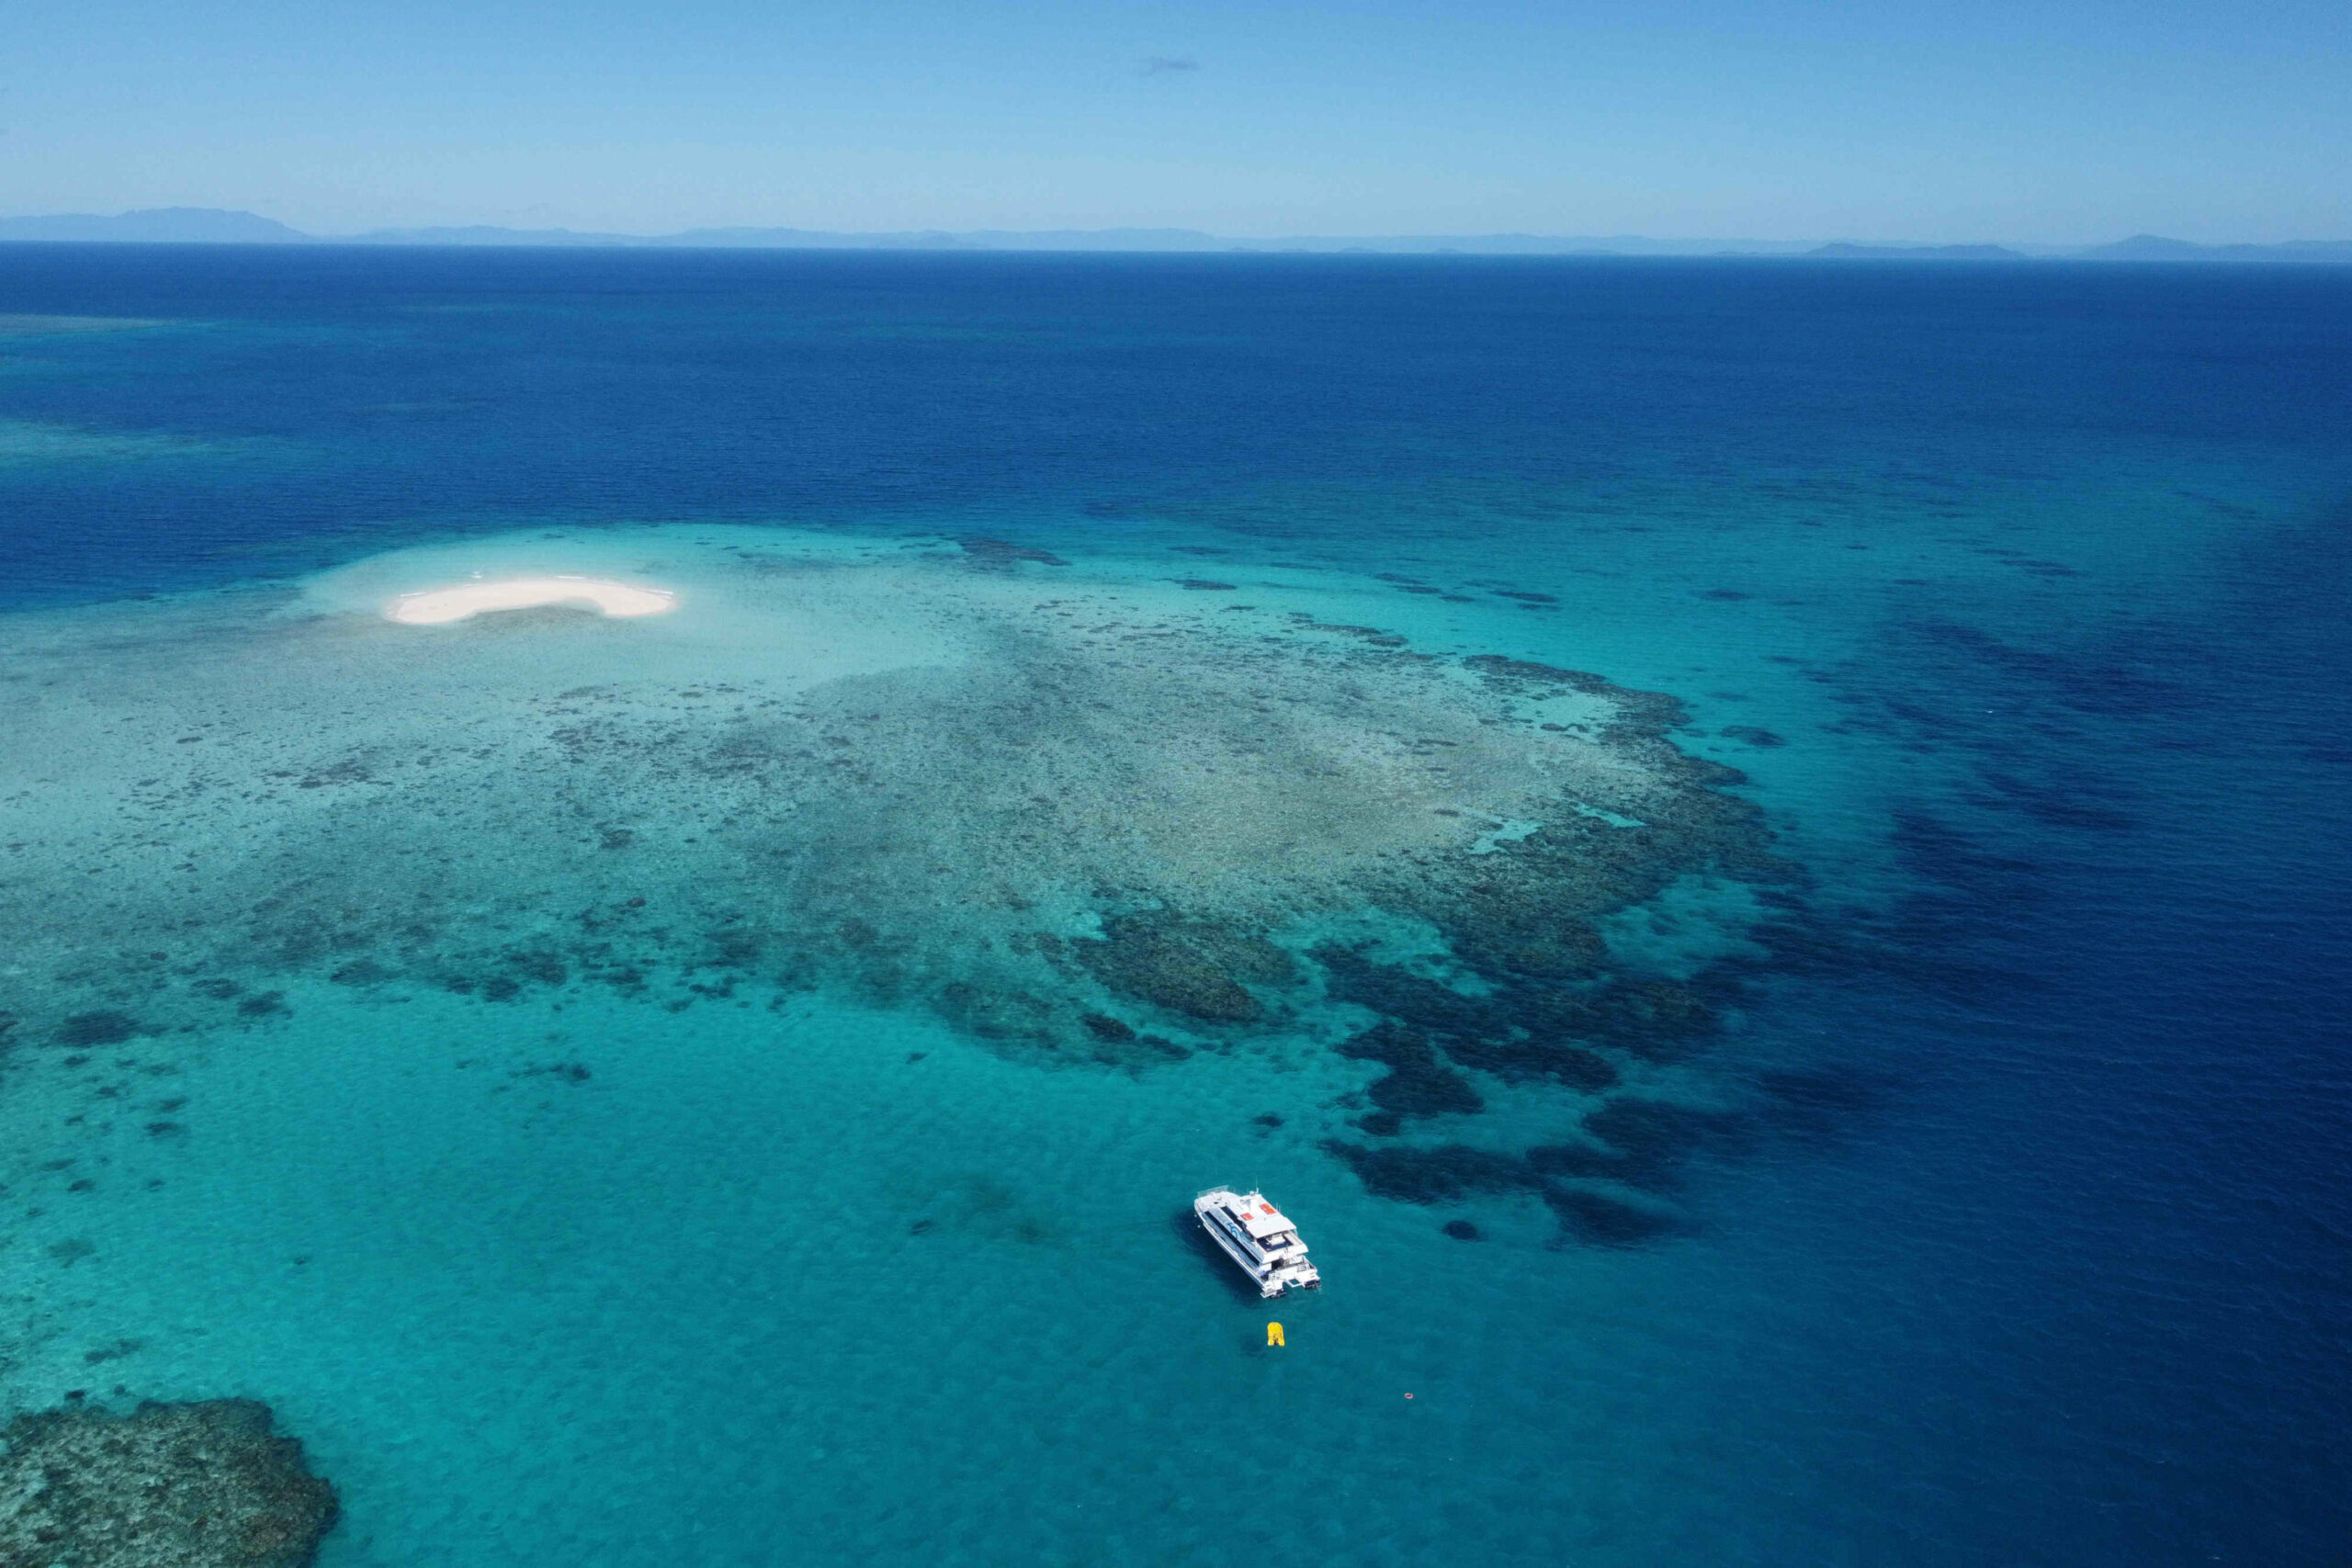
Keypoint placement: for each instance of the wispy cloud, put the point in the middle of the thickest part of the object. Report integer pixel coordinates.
(1164, 65)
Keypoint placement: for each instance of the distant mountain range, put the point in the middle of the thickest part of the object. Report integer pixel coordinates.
(203, 225)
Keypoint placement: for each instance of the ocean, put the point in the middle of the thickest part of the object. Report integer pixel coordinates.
(1755, 849)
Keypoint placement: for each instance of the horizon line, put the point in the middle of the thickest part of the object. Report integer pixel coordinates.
(195, 225)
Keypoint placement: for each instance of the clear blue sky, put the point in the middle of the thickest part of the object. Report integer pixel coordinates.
(1921, 120)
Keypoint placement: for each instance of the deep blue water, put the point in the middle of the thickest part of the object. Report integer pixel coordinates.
(2041, 573)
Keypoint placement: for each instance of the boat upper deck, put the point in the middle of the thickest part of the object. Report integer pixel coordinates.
(1265, 1226)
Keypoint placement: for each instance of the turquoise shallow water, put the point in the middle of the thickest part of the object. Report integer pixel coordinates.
(2013, 595)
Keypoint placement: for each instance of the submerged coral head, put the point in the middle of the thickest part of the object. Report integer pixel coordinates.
(439, 606)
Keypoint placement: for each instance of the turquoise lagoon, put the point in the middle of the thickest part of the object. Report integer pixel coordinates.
(1983, 1213)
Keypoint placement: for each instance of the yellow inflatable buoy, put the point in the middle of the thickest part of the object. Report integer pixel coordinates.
(1273, 1334)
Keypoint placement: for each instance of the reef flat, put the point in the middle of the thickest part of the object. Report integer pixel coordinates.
(1086, 816)
(195, 1485)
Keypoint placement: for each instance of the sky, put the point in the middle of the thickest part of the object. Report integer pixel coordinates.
(2046, 121)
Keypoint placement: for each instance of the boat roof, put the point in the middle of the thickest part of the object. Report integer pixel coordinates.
(1261, 1218)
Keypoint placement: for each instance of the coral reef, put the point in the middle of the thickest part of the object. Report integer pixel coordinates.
(193, 1485)
(1417, 1083)
(1083, 821)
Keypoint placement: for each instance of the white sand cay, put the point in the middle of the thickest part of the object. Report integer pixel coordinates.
(441, 605)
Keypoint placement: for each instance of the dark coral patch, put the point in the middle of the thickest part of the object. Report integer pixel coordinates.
(1372, 635)
(1656, 1017)
(1004, 553)
(732, 946)
(1655, 1136)
(1577, 1160)
(1520, 1035)
(1560, 1174)
(1193, 967)
(993, 1012)
(1401, 994)
(537, 966)
(1604, 1221)
(96, 1029)
(1417, 1084)
(1497, 666)
(1116, 1043)
(1530, 1060)
(1442, 1175)
(1512, 927)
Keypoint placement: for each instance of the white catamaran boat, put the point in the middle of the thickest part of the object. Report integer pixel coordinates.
(1254, 1235)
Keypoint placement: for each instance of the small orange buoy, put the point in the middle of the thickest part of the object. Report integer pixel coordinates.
(1409, 1396)
(1273, 1334)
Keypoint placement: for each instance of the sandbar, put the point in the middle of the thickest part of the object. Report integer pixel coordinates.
(439, 606)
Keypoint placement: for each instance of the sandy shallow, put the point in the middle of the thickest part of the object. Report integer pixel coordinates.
(440, 606)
